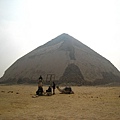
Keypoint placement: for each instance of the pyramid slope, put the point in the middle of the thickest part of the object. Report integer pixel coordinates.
(70, 60)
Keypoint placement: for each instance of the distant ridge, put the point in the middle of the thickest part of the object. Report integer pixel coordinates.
(72, 62)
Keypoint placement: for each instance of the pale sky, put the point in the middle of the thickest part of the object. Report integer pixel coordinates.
(27, 24)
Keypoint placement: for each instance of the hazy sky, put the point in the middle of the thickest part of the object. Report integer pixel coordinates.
(27, 24)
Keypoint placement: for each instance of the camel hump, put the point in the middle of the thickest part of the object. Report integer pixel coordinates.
(68, 88)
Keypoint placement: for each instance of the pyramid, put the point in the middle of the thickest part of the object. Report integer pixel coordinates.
(70, 61)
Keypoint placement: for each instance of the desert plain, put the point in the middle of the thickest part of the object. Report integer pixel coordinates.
(87, 103)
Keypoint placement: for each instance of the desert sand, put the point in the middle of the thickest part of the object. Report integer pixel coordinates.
(88, 103)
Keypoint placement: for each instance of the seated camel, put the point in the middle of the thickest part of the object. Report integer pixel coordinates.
(66, 90)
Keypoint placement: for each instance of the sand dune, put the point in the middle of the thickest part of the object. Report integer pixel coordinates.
(88, 103)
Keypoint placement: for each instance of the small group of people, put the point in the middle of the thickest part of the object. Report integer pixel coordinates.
(49, 91)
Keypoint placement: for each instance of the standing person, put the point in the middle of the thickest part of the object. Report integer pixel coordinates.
(53, 86)
(40, 81)
(40, 78)
(40, 86)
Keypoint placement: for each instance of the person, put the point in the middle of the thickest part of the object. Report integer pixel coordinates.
(40, 81)
(39, 92)
(49, 91)
(53, 86)
(40, 88)
(40, 78)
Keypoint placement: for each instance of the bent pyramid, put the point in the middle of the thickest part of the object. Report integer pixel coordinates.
(69, 60)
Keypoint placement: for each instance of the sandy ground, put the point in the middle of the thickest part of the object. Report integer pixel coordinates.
(88, 103)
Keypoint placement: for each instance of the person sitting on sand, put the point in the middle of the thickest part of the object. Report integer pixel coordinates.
(49, 91)
(40, 91)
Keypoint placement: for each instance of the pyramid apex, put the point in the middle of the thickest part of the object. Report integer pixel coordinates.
(64, 34)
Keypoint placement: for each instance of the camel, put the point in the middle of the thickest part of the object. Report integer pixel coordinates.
(66, 90)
